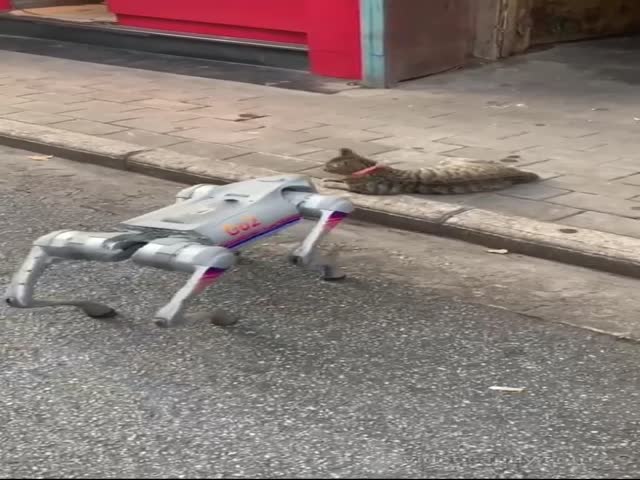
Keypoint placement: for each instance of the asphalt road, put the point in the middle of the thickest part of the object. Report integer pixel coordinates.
(386, 374)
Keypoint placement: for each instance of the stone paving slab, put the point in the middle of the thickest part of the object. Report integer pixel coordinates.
(582, 142)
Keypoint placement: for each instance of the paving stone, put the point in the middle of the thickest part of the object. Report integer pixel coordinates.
(479, 153)
(363, 148)
(605, 223)
(595, 172)
(598, 203)
(274, 162)
(119, 96)
(284, 136)
(519, 159)
(9, 101)
(614, 149)
(416, 144)
(154, 123)
(104, 117)
(197, 121)
(588, 185)
(629, 163)
(47, 107)
(215, 136)
(208, 150)
(107, 107)
(522, 207)
(551, 152)
(36, 117)
(88, 127)
(402, 130)
(229, 113)
(348, 121)
(320, 156)
(278, 147)
(351, 134)
(630, 179)
(509, 144)
(175, 95)
(534, 191)
(164, 104)
(56, 97)
(15, 91)
(6, 110)
(57, 86)
(319, 173)
(283, 123)
(144, 138)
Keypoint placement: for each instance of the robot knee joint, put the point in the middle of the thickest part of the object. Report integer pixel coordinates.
(329, 203)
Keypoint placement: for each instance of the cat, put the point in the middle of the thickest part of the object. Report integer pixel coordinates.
(363, 175)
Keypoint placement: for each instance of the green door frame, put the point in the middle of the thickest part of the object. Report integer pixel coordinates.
(375, 68)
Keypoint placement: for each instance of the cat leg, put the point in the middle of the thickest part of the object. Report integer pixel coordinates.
(335, 184)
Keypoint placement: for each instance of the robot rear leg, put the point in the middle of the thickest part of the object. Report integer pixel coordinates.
(69, 245)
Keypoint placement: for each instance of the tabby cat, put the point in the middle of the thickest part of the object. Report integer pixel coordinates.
(366, 176)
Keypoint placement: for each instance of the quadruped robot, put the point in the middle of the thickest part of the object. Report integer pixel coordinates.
(201, 234)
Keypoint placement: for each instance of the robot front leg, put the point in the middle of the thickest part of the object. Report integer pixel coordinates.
(69, 245)
(205, 263)
(332, 211)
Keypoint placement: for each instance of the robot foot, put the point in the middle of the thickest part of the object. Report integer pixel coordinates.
(331, 273)
(328, 270)
(219, 318)
(97, 310)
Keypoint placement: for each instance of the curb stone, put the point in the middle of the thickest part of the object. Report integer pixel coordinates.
(552, 241)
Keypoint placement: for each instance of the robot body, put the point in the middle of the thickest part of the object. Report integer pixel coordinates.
(199, 234)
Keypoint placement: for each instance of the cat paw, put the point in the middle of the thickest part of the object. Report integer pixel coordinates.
(334, 184)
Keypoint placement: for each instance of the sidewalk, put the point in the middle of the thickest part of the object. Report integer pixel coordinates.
(575, 125)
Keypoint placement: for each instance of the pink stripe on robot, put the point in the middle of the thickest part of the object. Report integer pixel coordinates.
(332, 224)
(209, 277)
(334, 220)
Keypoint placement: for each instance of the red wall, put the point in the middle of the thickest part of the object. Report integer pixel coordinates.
(333, 29)
(271, 20)
(5, 5)
(330, 28)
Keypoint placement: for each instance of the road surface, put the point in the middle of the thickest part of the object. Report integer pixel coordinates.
(386, 374)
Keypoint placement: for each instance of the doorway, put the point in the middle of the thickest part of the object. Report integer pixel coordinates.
(555, 21)
(79, 11)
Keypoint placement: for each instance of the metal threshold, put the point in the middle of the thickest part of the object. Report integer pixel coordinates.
(227, 49)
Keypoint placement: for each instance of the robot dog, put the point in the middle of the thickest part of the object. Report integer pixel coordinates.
(201, 234)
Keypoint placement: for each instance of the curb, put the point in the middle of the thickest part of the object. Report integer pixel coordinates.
(593, 249)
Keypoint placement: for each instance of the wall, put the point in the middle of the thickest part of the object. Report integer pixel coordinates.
(564, 20)
(502, 28)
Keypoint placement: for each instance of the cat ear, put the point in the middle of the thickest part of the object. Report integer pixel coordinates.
(346, 152)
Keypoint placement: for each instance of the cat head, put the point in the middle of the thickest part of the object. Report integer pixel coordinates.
(347, 162)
